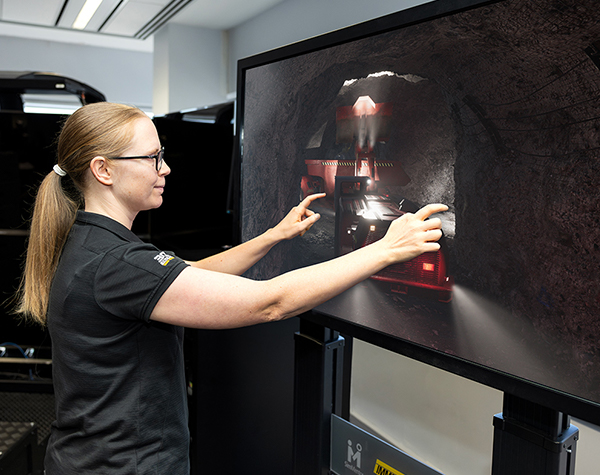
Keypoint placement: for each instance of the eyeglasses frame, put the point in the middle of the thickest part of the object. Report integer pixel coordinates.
(159, 157)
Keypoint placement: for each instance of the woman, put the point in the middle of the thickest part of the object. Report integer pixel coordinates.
(115, 306)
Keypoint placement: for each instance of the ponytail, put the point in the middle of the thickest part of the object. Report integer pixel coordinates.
(99, 129)
(53, 215)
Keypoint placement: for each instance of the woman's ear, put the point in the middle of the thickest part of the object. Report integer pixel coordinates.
(102, 172)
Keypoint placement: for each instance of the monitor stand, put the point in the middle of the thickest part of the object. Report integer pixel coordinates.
(531, 439)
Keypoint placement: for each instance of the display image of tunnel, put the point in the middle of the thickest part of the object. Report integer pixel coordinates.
(493, 111)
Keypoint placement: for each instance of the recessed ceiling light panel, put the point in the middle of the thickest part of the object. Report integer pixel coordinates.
(86, 13)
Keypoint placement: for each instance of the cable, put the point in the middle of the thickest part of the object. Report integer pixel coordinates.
(8, 343)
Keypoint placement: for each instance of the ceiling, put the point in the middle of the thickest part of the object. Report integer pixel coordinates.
(132, 18)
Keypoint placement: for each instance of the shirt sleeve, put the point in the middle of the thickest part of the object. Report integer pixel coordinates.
(131, 279)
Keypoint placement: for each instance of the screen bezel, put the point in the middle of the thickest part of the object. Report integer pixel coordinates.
(508, 383)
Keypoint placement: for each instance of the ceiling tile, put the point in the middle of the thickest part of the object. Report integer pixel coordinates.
(128, 18)
(132, 18)
(35, 12)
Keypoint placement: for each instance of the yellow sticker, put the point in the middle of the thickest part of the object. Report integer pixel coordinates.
(384, 469)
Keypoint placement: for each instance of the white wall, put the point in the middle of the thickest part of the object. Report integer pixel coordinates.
(189, 68)
(439, 418)
(197, 67)
(122, 75)
(296, 20)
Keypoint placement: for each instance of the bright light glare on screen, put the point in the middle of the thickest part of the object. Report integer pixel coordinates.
(482, 324)
(413, 78)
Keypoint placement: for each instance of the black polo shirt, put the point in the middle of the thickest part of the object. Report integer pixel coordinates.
(118, 377)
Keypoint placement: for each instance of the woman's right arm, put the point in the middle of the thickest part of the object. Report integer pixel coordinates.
(203, 299)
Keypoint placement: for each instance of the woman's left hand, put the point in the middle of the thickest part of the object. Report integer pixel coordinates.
(298, 220)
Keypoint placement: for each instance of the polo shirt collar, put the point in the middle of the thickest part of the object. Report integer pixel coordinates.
(101, 221)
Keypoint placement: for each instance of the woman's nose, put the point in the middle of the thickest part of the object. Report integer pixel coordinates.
(164, 169)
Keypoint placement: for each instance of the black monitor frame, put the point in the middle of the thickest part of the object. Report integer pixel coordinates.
(508, 383)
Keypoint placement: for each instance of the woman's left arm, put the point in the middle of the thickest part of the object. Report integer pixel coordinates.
(239, 259)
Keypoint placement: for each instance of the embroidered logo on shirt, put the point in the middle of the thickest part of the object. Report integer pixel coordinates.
(163, 258)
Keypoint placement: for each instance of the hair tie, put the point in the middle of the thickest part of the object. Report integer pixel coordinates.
(59, 171)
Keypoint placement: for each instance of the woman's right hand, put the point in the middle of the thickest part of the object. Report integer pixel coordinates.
(201, 299)
(413, 234)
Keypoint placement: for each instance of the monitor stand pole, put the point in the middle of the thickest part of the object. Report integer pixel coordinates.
(531, 439)
(319, 392)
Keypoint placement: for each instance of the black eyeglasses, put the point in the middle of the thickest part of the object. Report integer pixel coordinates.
(159, 158)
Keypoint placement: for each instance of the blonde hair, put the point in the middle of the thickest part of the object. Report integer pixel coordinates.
(99, 129)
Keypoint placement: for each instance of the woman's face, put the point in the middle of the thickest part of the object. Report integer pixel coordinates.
(137, 185)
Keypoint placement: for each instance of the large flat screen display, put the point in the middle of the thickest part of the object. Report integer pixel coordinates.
(493, 109)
